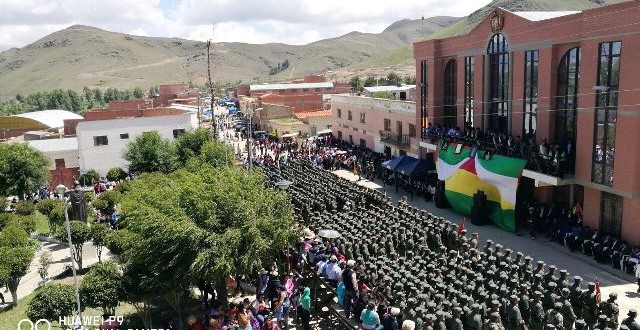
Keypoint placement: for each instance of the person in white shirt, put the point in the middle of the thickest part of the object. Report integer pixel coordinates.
(638, 275)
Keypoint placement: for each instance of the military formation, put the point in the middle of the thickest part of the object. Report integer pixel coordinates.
(438, 275)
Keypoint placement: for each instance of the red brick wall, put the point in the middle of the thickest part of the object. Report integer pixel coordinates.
(63, 176)
(98, 114)
(70, 126)
(133, 104)
(299, 103)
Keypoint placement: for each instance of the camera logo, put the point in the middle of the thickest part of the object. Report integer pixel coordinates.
(46, 325)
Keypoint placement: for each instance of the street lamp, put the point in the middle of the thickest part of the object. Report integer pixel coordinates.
(61, 190)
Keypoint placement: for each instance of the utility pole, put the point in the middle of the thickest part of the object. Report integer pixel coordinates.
(214, 124)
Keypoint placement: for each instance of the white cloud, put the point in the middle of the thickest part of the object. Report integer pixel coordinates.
(254, 21)
(139, 32)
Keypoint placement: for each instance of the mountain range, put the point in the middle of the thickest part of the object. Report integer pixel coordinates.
(81, 55)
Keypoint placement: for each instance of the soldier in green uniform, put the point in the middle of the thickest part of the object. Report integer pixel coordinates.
(576, 295)
(554, 316)
(602, 323)
(580, 325)
(494, 322)
(630, 321)
(567, 310)
(537, 316)
(514, 318)
(475, 322)
(611, 310)
(456, 322)
(589, 305)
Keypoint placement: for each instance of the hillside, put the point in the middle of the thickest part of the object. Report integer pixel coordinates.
(86, 56)
(465, 25)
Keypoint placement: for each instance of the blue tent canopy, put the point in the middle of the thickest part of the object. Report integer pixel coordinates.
(391, 164)
(414, 167)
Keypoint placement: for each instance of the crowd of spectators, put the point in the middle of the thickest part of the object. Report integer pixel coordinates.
(543, 156)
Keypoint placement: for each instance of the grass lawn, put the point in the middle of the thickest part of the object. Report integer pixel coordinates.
(42, 224)
(9, 318)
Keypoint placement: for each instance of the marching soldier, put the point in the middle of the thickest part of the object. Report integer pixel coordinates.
(567, 310)
(554, 316)
(576, 295)
(610, 309)
(589, 305)
(630, 321)
(537, 317)
(514, 318)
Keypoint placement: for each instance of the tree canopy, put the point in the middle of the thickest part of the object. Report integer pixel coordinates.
(202, 225)
(22, 169)
(149, 152)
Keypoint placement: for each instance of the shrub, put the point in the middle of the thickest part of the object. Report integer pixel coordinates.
(102, 287)
(45, 206)
(122, 187)
(25, 208)
(116, 174)
(117, 241)
(51, 302)
(106, 202)
(89, 178)
(13, 236)
(56, 218)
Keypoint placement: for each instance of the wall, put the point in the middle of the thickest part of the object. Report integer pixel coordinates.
(375, 110)
(102, 158)
(298, 102)
(271, 111)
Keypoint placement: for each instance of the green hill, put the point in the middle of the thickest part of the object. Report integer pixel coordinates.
(465, 25)
(81, 56)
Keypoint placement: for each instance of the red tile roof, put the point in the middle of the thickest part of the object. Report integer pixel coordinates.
(307, 114)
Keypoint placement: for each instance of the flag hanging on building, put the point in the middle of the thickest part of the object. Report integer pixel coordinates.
(497, 177)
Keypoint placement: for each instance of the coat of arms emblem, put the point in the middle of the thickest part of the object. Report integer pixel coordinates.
(497, 21)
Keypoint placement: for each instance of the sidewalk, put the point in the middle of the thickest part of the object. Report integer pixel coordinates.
(60, 259)
(611, 280)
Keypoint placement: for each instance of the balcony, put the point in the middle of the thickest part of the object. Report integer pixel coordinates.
(544, 170)
(398, 140)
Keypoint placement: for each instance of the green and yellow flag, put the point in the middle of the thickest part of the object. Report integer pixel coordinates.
(498, 178)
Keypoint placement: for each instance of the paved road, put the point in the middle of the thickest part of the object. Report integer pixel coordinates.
(611, 280)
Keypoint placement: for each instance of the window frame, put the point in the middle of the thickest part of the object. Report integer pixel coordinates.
(530, 99)
(469, 71)
(98, 138)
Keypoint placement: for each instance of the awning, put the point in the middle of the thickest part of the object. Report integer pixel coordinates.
(412, 167)
(324, 131)
(289, 135)
(391, 164)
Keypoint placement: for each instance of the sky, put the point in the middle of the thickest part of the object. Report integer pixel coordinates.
(253, 21)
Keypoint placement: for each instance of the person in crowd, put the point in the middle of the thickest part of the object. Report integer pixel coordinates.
(305, 304)
(370, 319)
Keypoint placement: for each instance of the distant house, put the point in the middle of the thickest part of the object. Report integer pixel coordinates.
(402, 93)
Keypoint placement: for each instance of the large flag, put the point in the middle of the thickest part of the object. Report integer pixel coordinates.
(497, 177)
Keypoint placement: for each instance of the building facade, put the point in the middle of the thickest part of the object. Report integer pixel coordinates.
(385, 126)
(103, 140)
(567, 77)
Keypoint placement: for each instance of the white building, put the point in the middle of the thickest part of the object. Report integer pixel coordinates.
(102, 143)
(402, 93)
(62, 153)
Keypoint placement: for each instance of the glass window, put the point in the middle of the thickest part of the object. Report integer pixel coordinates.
(423, 97)
(567, 103)
(349, 115)
(611, 213)
(530, 93)
(124, 136)
(101, 140)
(362, 118)
(387, 124)
(498, 83)
(606, 113)
(412, 130)
(177, 132)
(450, 108)
(339, 113)
(468, 91)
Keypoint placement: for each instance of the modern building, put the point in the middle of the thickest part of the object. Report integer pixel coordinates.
(63, 158)
(105, 134)
(386, 126)
(567, 77)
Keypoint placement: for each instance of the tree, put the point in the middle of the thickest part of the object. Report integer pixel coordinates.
(385, 95)
(15, 257)
(79, 235)
(102, 287)
(89, 177)
(23, 170)
(52, 302)
(216, 153)
(357, 85)
(409, 80)
(43, 265)
(394, 79)
(98, 234)
(189, 144)
(207, 223)
(149, 152)
(25, 208)
(116, 174)
(138, 93)
(370, 81)
(46, 206)
(56, 218)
